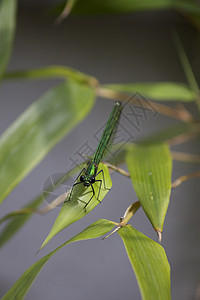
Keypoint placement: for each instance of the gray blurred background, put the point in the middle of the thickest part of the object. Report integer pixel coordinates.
(115, 49)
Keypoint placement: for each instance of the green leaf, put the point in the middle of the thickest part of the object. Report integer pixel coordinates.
(150, 168)
(22, 285)
(74, 210)
(161, 91)
(146, 256)
(149, 263)
(52, 72)
(26, 142)
(7, 28)
(15, 220)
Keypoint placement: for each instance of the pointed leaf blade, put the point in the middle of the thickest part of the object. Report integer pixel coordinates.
(73, 210)
(7, 27)
(15, 220)
(150, 168)
(23, 284)
(161, 91)
(26, 142)
(149, 262)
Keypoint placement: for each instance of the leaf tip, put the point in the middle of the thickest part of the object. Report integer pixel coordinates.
(38, 251)
(44, 244)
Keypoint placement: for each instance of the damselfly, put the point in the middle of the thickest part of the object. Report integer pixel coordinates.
(89, 174)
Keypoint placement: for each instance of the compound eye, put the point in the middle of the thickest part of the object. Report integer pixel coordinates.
(92, 180)
(82, 178)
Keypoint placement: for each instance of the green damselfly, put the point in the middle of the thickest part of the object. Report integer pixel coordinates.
(88, 175)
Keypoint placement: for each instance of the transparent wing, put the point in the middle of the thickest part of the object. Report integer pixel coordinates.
(57, 186)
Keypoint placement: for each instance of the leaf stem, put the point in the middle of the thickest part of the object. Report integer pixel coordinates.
(182, 138)
(65, 12)
(186, 157)
(117, 169)
(183, 178)
(131, 210)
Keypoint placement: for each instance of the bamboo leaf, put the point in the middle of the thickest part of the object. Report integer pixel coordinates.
(15, 220)
(7, 28)
(161, 91)
(149, 262)
(74, 209)
(150, 168)
(26, 142)
(23, 284)
(53, 72)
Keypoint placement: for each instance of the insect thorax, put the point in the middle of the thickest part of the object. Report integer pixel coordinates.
(91, 170)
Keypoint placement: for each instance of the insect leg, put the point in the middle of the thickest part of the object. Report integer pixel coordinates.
(99, 180)
(74, 185)
(90, 198)
(101, 171)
